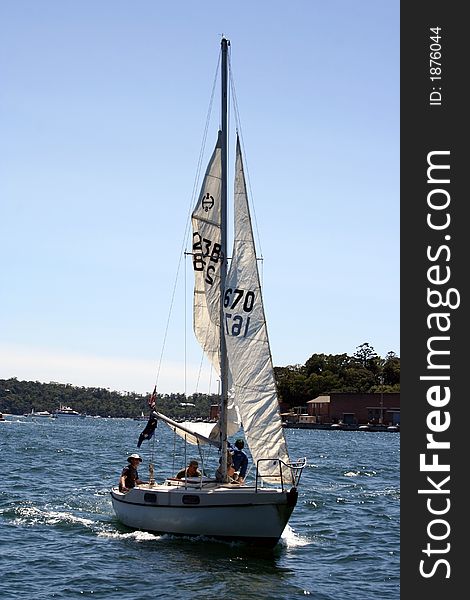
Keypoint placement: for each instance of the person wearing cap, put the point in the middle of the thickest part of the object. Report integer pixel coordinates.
(190, 471)
(129, 476)
(239, 459)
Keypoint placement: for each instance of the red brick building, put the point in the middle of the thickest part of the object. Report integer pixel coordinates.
(355, 409)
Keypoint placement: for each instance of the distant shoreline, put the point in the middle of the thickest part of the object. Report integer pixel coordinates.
(343, 427)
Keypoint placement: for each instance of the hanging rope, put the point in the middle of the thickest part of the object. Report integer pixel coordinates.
(151, 474)
(242, 144)
(188, 220)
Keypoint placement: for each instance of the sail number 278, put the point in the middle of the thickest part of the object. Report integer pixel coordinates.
(242, 301)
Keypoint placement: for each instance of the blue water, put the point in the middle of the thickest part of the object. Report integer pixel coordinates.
(59, 537)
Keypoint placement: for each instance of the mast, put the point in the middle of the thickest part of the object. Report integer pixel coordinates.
(223, 267)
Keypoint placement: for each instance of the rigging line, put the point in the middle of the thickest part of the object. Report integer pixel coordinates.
(174, 451)
(152, 449)
(199, 372)
(185, 309)
(242, 144)
(186, 231)
(210, 379)
(203, 355)
(203, 144)
(228, 114)
(202, 350)
(206, 129)
(211, 370)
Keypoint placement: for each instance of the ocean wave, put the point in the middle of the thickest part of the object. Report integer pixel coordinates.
(32, 515)
(291, 539)
(360, 474)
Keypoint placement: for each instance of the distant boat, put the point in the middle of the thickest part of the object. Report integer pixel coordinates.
(39, 414)
(141, 417)
(66, 411)
(2, 418)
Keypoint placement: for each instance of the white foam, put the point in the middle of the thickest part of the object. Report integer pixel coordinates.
(138, 536)
(33, 515)
(291, 539)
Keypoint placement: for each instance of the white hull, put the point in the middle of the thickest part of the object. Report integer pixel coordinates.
(38, 416)
(220, 511)
(67, 416)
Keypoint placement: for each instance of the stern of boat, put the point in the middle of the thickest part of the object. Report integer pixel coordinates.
(292, 496)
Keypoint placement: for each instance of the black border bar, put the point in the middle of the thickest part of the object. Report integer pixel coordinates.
(434, 352)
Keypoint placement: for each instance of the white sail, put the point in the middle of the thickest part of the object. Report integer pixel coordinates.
(247, 343)
(192, 433)
(207, 244)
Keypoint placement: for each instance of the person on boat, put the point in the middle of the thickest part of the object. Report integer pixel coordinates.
(190, 471)
(231, 475)
(239, 459)
(129, 476)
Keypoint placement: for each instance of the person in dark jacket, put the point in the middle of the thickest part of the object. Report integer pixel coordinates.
(239, 460)
(129, 476)
(190, 471)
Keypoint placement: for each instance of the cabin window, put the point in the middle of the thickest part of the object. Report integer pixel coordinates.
(191, 499)
(150, 498)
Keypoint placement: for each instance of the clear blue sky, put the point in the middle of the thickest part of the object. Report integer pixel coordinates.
(102, 112)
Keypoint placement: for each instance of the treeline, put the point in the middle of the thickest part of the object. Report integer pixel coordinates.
(363, 372)
(21, 397)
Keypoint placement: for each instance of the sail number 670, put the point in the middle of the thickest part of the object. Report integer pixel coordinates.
(237, 325)
(234, 297)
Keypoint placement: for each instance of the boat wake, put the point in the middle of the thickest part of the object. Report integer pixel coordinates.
(291, 539)
(144, 536)
(138, 536)
(31, 515)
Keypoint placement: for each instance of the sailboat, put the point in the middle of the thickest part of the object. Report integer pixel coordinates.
(140, 417)
(230, 325)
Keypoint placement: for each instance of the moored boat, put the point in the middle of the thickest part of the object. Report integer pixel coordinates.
(66, 411)
(39, 414)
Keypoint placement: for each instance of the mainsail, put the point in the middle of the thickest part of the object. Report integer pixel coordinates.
(207, 245)
(207, 258)
(247, 343)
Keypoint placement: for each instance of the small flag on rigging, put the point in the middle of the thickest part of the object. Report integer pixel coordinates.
(153, 398)
(149, 430)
